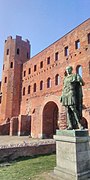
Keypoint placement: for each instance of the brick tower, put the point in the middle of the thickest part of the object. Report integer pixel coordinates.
(16, 52)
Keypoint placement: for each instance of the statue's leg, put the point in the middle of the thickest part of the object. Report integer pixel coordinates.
(69, 124)
(76, 117)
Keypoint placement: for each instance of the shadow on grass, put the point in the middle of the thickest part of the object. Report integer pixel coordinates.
(30, 157)
(24, 158)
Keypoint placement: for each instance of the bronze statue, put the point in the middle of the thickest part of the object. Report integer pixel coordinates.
(72, 98)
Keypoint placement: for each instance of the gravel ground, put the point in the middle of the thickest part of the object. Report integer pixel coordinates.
(46, 176)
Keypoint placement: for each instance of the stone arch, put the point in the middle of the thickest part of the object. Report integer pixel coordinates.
(50, 116)
(50, 119)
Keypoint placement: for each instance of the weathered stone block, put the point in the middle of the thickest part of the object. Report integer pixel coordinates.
(72, 153)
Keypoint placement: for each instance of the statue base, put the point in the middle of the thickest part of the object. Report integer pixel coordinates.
(72, 155)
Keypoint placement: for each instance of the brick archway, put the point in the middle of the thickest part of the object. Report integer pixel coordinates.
(55, 100)
(50, 119)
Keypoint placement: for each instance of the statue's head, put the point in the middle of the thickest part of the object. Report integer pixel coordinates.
(69, 69)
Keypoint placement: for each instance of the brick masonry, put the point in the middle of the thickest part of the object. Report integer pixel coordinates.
(31, 87)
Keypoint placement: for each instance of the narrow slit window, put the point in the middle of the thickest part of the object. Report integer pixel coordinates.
(24, 73)
(29, 71)
(48, 83)
(11, 65)
(89, 38)
(41, 85)
(18, 51)
(7, 51)
(34, 87)
(89, 67)
(5, 80)
(29, 89)
(24, 91)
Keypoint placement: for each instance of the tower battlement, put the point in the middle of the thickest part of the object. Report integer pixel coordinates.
(18, 38)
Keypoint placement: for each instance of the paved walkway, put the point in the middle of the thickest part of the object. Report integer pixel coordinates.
(11, 140)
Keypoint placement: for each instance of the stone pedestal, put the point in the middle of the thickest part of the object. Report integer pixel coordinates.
(72, 155)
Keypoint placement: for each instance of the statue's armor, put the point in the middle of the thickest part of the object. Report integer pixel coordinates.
(68, 95)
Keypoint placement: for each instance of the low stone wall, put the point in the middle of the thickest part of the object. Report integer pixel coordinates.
(11, 152)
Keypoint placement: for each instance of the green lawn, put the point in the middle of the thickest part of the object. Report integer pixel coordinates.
(27, 168)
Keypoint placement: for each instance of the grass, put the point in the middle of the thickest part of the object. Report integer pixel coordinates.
(27, 168)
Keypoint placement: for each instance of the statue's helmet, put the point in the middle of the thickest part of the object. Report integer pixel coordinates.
(69, 68)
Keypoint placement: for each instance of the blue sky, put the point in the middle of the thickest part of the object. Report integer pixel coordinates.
(40, 21)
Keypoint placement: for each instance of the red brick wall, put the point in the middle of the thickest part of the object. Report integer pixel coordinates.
(33, 101)
(24, 127)
(14, 123)
(5, 129)
(33, 104)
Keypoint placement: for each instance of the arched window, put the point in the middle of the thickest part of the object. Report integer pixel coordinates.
(48, 83)
(29, 89)
(48, 60)
(79, 70)
(24, 91)
(57, 79)
(34, 87)
(7, 51)
(41, 64)
(41, 85)
(66, 51)
(35, 67)
(56, 56)
(77, 44)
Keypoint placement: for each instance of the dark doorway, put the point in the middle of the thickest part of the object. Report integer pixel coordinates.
(84, 123)
(50, 119)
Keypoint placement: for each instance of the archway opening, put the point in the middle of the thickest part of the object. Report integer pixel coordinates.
(50, 119)
(84, 123)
